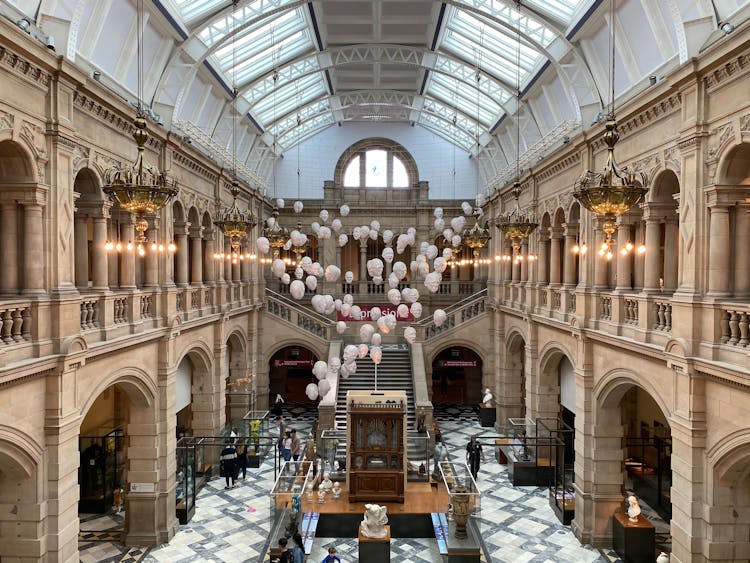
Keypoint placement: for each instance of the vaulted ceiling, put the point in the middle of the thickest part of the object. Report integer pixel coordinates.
(454, 66)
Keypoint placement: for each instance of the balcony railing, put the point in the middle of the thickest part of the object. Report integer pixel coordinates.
(294, 312)
(456, 315)
(734, 326)
(15, 322)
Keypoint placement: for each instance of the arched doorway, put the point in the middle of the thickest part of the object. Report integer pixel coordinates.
(631, 454)
(289, 372)
(457, 376)
(102, 450)
(511, 393)
(239, 382)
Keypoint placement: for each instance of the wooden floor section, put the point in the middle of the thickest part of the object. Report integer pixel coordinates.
(419, 498)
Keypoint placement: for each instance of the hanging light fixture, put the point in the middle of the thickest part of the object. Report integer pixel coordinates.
(276, 234)
(233, 223)
(615, 190)
(138, 188)
(478, 236)
(516, 225)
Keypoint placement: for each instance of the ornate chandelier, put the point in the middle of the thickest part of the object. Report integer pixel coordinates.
(516, 225)
(276, 234)
(615, 190)
(139, 188)
(235, 224)
(476, 237)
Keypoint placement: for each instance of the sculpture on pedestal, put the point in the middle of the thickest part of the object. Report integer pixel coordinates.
(634, 508)
(460, 503)
(373, 526)
(488, 399)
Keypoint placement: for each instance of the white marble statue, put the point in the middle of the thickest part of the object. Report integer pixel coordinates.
(336, 489)
(326, 484)
(488, 398)
(373, 526)
(634, 508)
(663, 558)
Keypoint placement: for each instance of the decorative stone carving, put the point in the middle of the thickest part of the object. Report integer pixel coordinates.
(6, 120)
(373, 526)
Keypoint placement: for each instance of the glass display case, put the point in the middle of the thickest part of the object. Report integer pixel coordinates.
(527, 453)
(101, 468)
(286, 499)
(419, 452)
(556, 440)
(465, 507)
(256, 424)
(185, 485)
(649, 468)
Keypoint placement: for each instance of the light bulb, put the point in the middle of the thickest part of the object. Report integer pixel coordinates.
(601, 252)
(172, 247)
(130, 246)
(642, 249)
(584, 248)
(161, 248)
(154, 247)
(629, 246)
(109, 246)
(605, 246)
(252, 257)
(609, 255)
(141, 250)
(576, 249)
(624, 251)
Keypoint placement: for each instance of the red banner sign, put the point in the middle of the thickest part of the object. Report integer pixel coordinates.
(365, 318)
(293, 363)
(457, 363)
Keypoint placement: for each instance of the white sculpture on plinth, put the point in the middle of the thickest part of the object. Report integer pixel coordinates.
(487, 400)
(373, 526)
(634, 508)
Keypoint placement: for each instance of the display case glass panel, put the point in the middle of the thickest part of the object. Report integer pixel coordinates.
(101, 468)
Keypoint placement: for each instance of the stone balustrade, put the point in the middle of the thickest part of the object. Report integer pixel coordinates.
(663, 316)
(15, 323)
(734, 326)
(631, 312)
(89, 314)
(306, 319)
(456, 315)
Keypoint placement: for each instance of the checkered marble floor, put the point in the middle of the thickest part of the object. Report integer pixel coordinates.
(233, 525)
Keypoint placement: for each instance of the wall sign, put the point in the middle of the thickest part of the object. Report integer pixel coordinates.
(457, 363)
(293, 363)
(365, 318)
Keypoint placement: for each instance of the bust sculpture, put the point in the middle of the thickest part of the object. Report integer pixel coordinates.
(326, 484)
(336, 490)
(373, 526)
(634, 508)
(488, 398)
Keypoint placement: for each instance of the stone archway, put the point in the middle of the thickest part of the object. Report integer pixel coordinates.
(511, 390)
(728, 500)
(289, 372)
(239, 381)
(205, 391)
(624, 408)
(457, 376)
(21, 493)
(544, 391)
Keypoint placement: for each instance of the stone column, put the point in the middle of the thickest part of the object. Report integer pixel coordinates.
(151, 265)
(624, 261)
(127, 257)
(639, 259)
(525, 262)
(113, 261)
(601, 265)
(81, 252)
(181, 258)
(718, 251)
(244, 267)
(741, 254)
(508, 264)
(209, 262)
(228, 261)
(220, 263)
(543, 262)
(555, 234)
(9, 236)
(570, 275)
(516, 272)
(99, 257)
(671, 255)
(362, 260)
(33, 249)
(653, 254)
(196, 263)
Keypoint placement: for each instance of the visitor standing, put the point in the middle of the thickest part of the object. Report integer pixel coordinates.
(473, 453)
(228, 465)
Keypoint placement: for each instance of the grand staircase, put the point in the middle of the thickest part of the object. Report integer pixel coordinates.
(394, 373)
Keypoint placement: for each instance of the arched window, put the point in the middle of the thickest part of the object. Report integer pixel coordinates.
(376, 163)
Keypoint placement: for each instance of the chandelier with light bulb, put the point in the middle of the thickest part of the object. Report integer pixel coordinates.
(236, 225)
(516, 225)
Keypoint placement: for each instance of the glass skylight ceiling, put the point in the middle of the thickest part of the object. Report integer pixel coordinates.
(476, 34)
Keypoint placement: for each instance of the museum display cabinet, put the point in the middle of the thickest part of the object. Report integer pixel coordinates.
(101, 467)
(376, 449)
(185, 489)
(255, 425)
(285, 508)
(649, 469)
(556, 449)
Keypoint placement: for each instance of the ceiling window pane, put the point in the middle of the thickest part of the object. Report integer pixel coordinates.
(351, 176)
(376, 175)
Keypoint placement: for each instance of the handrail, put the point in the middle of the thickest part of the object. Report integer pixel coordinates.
(457, 306)
(300, 308)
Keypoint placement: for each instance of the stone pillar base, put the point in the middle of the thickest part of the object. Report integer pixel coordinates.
(375, 549)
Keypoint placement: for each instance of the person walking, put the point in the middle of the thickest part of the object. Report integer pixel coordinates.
(331, 557)
(228, 465)
(473, 453)
(286, 445)
(298, 551)
(278, 406)
(285, 555)
(296, 445)
(242, 459)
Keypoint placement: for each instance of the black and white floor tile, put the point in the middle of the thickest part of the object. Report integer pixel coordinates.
(233, 525)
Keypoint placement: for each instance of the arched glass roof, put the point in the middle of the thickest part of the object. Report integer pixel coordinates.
(300, 66)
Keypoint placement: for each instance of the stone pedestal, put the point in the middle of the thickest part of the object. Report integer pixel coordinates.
(487, 416)
(375, 549)
(635, 542)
